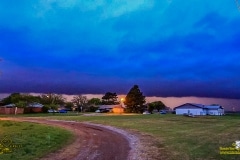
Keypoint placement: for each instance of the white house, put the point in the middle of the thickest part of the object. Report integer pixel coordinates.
(214, 110)
(199, 109)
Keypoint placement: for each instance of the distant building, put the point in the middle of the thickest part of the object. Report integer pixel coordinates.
(118, 109)
(35, 105)
(112, 108)
(199, 109)
(11, 109)
(33, 108)
(9, 105)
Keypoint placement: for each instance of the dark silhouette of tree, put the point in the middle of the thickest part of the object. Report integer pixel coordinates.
(69, 105)
(80, 101)
(150, 107)
(110, 99)
(134, 100)
(52, 99)
(158, 105)
(93, 104)
(20, 99)
(94, 101)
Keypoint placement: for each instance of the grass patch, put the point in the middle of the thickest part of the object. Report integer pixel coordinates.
(178, 137)
(31, 140)
(70, 113)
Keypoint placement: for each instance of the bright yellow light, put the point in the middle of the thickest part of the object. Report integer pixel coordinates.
(122, 99)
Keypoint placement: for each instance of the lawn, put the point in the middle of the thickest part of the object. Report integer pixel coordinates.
(70, 113)
(28, 141)
(178, 137)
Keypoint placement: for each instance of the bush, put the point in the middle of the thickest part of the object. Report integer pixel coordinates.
(127, 110)
(91, 109)
(45, 109)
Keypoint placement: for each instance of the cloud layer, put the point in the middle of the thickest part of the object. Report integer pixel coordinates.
(169, 47)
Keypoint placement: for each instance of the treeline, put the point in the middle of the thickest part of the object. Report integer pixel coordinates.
(134, 102)
(52, 101)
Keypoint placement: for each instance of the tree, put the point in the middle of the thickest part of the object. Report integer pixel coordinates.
(13, 98)
(134, 100)
(110, 99)
(21, 104)
(52, 99)
(69, 105)
(20, 99)
(93, 104)
(94, 101)
(158, 105)
(80, 101)
(150, 107)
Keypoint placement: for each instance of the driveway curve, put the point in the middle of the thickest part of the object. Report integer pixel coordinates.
(91, 142)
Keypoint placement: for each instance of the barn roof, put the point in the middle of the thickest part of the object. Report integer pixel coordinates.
(191, 104)
(213, 107)
(200, 106)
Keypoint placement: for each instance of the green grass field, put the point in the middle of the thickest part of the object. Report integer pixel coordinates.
(42, 114)
(28, 141)
(178, 137)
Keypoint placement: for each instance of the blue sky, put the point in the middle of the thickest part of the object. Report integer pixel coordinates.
(168, 47)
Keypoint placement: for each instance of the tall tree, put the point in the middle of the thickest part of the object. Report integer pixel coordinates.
(80, 101)
(110, 99)
(134, 100)
(52, 99)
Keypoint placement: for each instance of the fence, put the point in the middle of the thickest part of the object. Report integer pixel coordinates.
(4, 110)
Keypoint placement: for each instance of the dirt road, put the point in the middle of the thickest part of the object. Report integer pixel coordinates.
(91, 142)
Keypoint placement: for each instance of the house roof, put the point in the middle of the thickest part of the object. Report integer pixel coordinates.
(35, 105)
(198, 105)
(109, 106)
(213, 107)
(191, 104)
(201, 106)
(10, 105)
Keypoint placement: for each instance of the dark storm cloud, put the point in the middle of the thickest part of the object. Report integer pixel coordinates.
(169, 48)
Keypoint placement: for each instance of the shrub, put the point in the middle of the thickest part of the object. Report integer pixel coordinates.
(45, 109)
